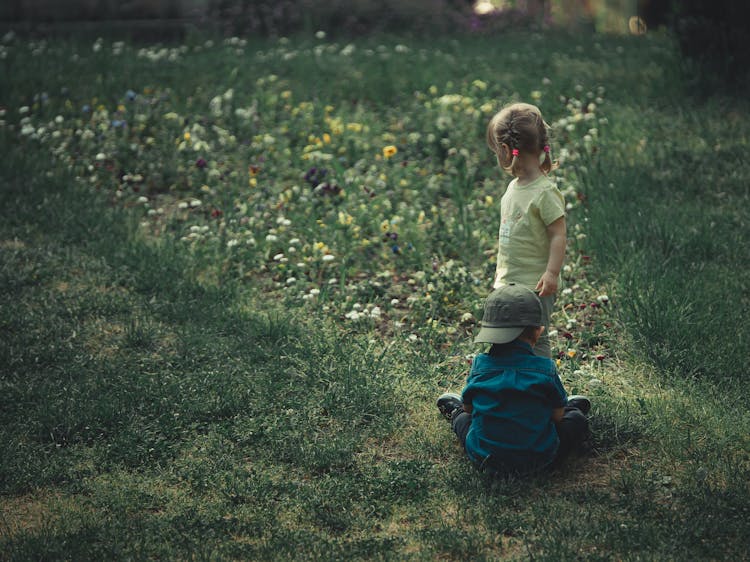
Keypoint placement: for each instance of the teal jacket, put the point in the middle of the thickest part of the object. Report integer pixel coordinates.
(513, 394)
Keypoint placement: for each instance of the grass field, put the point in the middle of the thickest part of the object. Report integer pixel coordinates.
(235, 277)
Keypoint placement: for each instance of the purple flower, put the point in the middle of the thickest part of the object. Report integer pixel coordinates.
(201, 163)
(314, 176)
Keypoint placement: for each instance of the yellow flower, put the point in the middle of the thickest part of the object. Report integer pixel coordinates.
(186, 136)
(326, 138)
(252, 182)
(389, 151)
(488, 200)
(354, 127)
(571, 353)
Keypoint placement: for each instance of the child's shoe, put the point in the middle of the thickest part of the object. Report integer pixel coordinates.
(448, 403)
(580, 402)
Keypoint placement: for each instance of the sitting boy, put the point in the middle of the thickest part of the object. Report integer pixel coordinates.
(514, 414)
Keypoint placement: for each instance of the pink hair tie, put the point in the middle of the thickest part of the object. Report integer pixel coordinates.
(514, 152)
(546, 148)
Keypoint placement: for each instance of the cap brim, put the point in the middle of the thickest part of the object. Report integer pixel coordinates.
(497, 335)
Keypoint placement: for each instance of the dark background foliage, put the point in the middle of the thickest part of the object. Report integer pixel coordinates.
(713, 36)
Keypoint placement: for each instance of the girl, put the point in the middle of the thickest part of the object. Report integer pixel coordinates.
(532, 234)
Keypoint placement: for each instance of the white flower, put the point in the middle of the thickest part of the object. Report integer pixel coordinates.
(467, 317)
(413, 337)
(375, 312)
(182, 205)
(278, 257)
(101, 156)
(271, 238)
(232, 243)
(567, 291)
(602, 299)
(329, 257)
(394, 302)
(195, 202)
(314, 292)
(291, 280)
(143, 199)
(320, 34)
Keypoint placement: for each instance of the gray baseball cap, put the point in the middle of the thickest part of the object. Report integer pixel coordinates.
(507, 311)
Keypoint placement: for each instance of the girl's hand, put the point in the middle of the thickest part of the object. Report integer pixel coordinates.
(547, 284)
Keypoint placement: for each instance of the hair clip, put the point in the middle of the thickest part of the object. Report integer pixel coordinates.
(514, 152)
(546, 148)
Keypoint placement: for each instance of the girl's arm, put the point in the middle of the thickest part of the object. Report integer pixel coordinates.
(556, 231)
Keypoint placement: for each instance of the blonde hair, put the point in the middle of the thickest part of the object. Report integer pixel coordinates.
(521, 127)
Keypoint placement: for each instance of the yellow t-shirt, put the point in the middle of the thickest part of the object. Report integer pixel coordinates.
(523, 248)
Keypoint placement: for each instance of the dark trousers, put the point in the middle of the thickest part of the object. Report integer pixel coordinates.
(572, 430)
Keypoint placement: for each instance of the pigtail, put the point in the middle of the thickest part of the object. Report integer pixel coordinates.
(514, 160)
(546, 165)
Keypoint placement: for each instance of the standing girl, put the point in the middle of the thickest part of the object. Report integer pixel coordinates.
(532, 234)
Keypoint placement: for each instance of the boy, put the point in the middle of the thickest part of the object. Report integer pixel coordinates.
(514, 414)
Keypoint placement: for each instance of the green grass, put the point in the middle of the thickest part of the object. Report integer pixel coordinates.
(171, 398)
